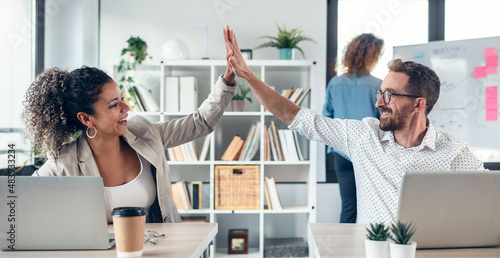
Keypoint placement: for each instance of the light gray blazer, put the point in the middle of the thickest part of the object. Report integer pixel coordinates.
(150, 140)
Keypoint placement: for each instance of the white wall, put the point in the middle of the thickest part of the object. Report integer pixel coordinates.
(71, 33)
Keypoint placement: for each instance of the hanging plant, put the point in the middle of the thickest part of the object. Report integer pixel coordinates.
(135, 53)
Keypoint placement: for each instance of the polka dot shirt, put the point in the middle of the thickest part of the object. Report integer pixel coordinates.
(379, 162)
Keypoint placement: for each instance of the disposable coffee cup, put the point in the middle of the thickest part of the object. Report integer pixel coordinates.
(128, 224)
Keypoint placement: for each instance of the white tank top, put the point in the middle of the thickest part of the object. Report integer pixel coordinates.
(140, 192)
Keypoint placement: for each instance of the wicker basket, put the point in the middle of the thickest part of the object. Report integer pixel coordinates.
(237, 187)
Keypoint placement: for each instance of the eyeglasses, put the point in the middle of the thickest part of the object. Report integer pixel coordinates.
(387, 96)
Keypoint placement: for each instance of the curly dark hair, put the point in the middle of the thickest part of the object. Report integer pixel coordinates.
(361, 54)
(422, 81)
(53, 101)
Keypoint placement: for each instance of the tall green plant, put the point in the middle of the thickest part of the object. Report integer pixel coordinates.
(285, 39)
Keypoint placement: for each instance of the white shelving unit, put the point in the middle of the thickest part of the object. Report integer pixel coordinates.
(298, 210)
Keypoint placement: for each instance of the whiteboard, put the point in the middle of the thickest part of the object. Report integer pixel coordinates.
(468, 103)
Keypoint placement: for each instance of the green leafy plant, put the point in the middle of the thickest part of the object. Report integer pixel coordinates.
(135, 53)
(377, 232)
(285, 39)
(402, 232)
(241, 93)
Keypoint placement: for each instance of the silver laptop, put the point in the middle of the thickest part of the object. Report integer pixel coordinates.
(452, 209)
(53, 213)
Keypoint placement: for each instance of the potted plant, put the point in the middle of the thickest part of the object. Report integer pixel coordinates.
(377, 242)
(286, 42)
(241, 94)
(135, 53)
(401, 235)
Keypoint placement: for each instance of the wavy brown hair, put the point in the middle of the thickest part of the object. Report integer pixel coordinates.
(362, 54)
(54, 99)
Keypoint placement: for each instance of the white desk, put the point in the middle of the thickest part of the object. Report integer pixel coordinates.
(348, 240)
(181, 240)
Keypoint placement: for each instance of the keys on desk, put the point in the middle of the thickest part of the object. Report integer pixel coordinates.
(152, 237)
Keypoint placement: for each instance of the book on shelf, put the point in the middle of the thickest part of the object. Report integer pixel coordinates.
(146, 97)
(171, 94)
(252, 143)
(302, 96)
(246, 146)
(171, 155)
(233, 149)
(277, 142)
(183, 193)
(204, 149)
(267, 154)
(297, 145)
(272, 145)
(295, 95)
(178, 153)
(188, 94)
(273, 193)
(268, 198)
(284, 145)
(176, 196)
(291, 145)
(196, 194)
(286, 93)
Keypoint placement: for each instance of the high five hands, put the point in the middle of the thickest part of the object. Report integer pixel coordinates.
(235, 60)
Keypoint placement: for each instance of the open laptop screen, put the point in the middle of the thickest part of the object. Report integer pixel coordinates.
(452, 209)
(47, 213)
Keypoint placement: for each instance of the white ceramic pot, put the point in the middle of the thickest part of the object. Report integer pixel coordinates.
(403, 251)
(376, 249)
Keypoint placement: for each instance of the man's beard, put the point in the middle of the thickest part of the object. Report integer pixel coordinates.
(396, 120)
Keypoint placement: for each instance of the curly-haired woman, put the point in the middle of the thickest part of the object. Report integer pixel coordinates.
(352, 96)
(129, 154)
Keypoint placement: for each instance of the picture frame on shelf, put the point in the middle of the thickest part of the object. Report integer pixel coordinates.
(237, 241)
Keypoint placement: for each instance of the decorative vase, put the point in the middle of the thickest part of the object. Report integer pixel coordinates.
(287, 53)
(403, 251)
(237, 105)
(377, 249)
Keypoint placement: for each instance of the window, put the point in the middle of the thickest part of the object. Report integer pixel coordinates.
(15, 74)
(465, 19)
(397, 22)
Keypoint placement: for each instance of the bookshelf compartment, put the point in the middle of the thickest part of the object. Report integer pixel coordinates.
(231, 126)
(237, 221)
(237, 187)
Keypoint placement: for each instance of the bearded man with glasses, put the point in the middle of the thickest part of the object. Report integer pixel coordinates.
(380, 150)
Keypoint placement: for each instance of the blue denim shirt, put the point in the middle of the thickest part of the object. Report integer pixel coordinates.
(350, 97)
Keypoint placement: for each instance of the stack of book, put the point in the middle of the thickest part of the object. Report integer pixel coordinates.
(244, 150)
(187, 196)
(281, 144)
(139, 98)
(296, 94)
(272, 196)
(187, 151)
